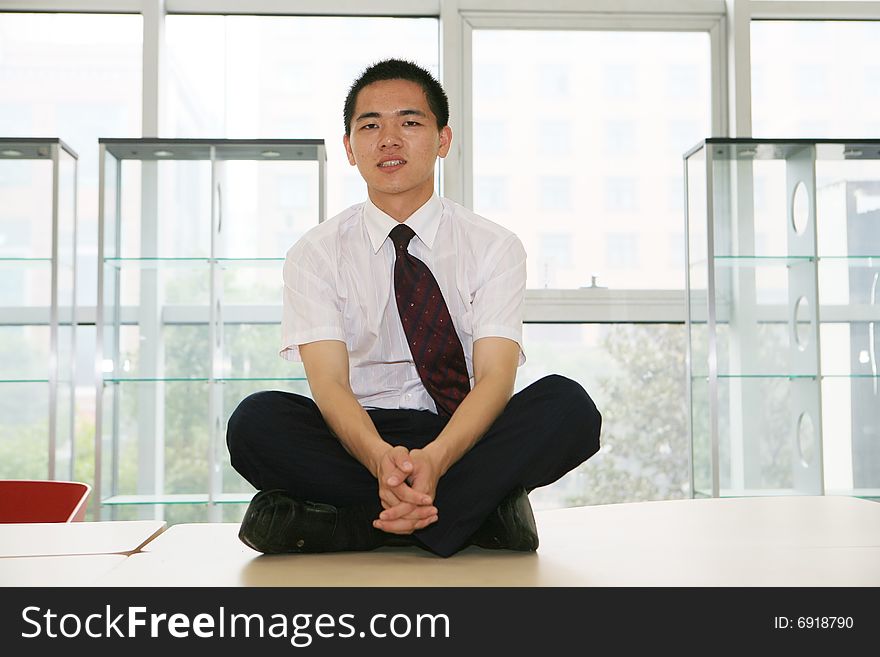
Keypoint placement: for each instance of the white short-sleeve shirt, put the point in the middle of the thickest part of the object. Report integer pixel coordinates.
(339, 285)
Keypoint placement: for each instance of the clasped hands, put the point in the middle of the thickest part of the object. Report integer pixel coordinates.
(407, 485)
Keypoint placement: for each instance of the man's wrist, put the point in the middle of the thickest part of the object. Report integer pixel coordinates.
(439, 452)
(376, 454)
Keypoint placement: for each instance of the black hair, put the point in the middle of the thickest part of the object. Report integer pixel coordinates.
(399, 69)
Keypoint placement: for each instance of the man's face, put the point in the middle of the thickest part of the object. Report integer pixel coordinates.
(394, 141)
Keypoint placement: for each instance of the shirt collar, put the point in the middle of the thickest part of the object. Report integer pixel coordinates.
(424, 222)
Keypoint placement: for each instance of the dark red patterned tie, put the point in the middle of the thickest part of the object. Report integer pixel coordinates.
(432, 339)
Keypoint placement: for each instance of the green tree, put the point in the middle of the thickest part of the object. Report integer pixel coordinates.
(644, 448)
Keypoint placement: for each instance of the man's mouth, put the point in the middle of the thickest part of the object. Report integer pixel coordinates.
(391, 163)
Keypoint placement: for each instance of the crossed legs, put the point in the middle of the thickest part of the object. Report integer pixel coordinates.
(280, 440)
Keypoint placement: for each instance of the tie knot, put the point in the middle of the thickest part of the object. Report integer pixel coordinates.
(401, 235)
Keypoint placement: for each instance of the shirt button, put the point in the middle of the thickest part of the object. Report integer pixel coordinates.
(408, 396)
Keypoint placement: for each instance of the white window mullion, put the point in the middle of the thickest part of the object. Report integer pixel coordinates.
(74, 6)
(739, 67)
(153, 63)
(776, 10)
(307, 7)
(455, 74)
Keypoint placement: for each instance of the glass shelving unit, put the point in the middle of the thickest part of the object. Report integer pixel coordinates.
(191, 244)
(783, 252)
(37, 308)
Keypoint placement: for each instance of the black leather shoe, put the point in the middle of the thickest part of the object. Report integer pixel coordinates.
(509, 527)
(276, 523)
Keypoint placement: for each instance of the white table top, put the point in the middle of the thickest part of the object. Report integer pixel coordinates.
(76, 570)
(76, 538)
(771, 541)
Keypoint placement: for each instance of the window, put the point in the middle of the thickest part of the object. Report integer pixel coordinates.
(597, 151)
(620, 138)
(257, 77)
(623, 250)
(555, 138)
(555, 193)
(626, 368)
(493, 191)
(493, 138)
(621, 194)
(553, 78)
(801, 89)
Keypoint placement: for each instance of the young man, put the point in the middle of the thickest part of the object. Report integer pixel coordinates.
(394, 307)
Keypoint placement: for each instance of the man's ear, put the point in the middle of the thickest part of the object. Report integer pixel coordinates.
(347, 143)
(445, 140)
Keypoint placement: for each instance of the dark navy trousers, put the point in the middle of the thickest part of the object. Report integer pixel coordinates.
(280, 440)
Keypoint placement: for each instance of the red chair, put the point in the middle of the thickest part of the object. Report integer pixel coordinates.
(42, 501)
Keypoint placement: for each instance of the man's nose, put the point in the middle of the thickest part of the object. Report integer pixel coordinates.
(390, 137)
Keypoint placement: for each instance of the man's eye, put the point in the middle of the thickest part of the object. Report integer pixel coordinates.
(411, 123)
(368, 125)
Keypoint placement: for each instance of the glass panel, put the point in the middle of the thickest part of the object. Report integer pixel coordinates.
(66, 346)
(257, 77)
(24, 430)
(578, 139)
(849, 295)
(268, 208)
(636, 376)
(26, 210)
(702, 436)
(253, 353)
(24, 353)
(168, 339)
(233, 393)
(758, 462)
(756, 335)
(850, 421)
(253, 282)
(801, 90)
(163, 425)
(179, 222)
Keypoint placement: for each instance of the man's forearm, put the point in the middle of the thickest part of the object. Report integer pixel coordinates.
(476, 413)
(350, 423)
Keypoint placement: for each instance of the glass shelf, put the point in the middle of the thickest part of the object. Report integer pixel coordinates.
(784, 260)
(150, 379)
(735, 260)
(789, 376)
(274, 150)
(851, 376)
(24, 380)
(871, 494)
(154, 263)
(261, 378)
(857, 258)
(749, 492)
(747, 149)
(5, 260)
(220, 379)
(249, 261)
(178, 498)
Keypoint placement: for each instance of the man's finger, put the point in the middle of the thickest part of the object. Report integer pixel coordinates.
(400, 457)
(421, 524)
(401, 526)
(405, 493)
(388, 497)
(407, 511)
